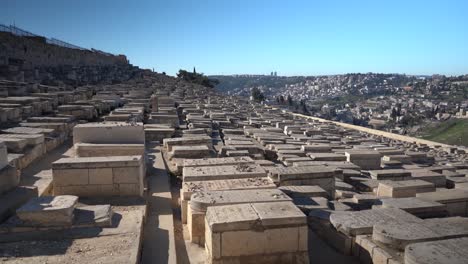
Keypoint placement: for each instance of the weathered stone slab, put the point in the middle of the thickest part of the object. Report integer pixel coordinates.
(99, 176)
(456, 200)
(217, 161)
(304, 191)
(453, 251)
(316, 175)
(416, 206)
(391, 174)
(401, 189)
(105, 150)
(191, 152)
(223, 172)
(399, 235)
(256, 233)
(327, 157)
(362, 222)
(365, 159)
(198, 140)
(109, 133)
(48, 210)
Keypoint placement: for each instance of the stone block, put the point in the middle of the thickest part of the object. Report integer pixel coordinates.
(48, 211)
(109, 133)
(402, 189)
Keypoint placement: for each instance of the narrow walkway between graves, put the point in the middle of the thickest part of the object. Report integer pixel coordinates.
(158, 236)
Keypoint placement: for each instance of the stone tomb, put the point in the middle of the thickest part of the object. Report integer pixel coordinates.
(390, 174)
(315, 175)
(189, 188)
(453, 251)
(109, 133)
(401, 189)
(201, 201)
(99, 176)
(256, 233)
(415, 206)
(48, 211)
(362, 222)
(224, 172)
(365, 159)
(187, 141)
(400, 234)
(456, 200)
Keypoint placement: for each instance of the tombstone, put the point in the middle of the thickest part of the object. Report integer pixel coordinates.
(365, 159)
(402, 189)
(223, 172)
(317, 175)
(109, 133)
(456, 200)
(48, 211)
(99, 176)
(415, 206)
(256, 233)
(391, 174)
(451, 251)
(201, 201)
(399, 235)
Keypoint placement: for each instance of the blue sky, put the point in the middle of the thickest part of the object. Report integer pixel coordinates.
(256, 37)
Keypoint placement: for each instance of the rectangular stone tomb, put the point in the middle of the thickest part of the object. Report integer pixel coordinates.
(224, 172)
(185, 141)
(365, 159)
(362, 222)
(456, 200)
(99, 176)
(48, 211)
(191, 152)
(453, 251)
(105, 150)
(256, 233)
(295, 191)
(416, 206)
(327, 157)
(109, 133)
(188, 188)
(390, 174)
(401, 189)
(201, 201)
(399, 235)
(317, 175)
(206, 162)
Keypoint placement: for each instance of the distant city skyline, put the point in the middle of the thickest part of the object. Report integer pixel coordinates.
(257, 37)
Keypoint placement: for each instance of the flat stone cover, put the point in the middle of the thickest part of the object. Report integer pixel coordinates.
(362, 222)
(382, 174)
(399, 234)
(453, 251)
(233, 184)
(304, 191)
(447, 195)
(216, 161)
(223, 172)
(48, 210)
(97, 162)
(413, 205)
(202, 200)
(296, 173)
(253, 216)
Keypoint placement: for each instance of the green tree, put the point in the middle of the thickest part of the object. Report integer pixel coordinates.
(197, 78)
(257, 95)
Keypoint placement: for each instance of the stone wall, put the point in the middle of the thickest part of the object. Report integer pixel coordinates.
(35, 52)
